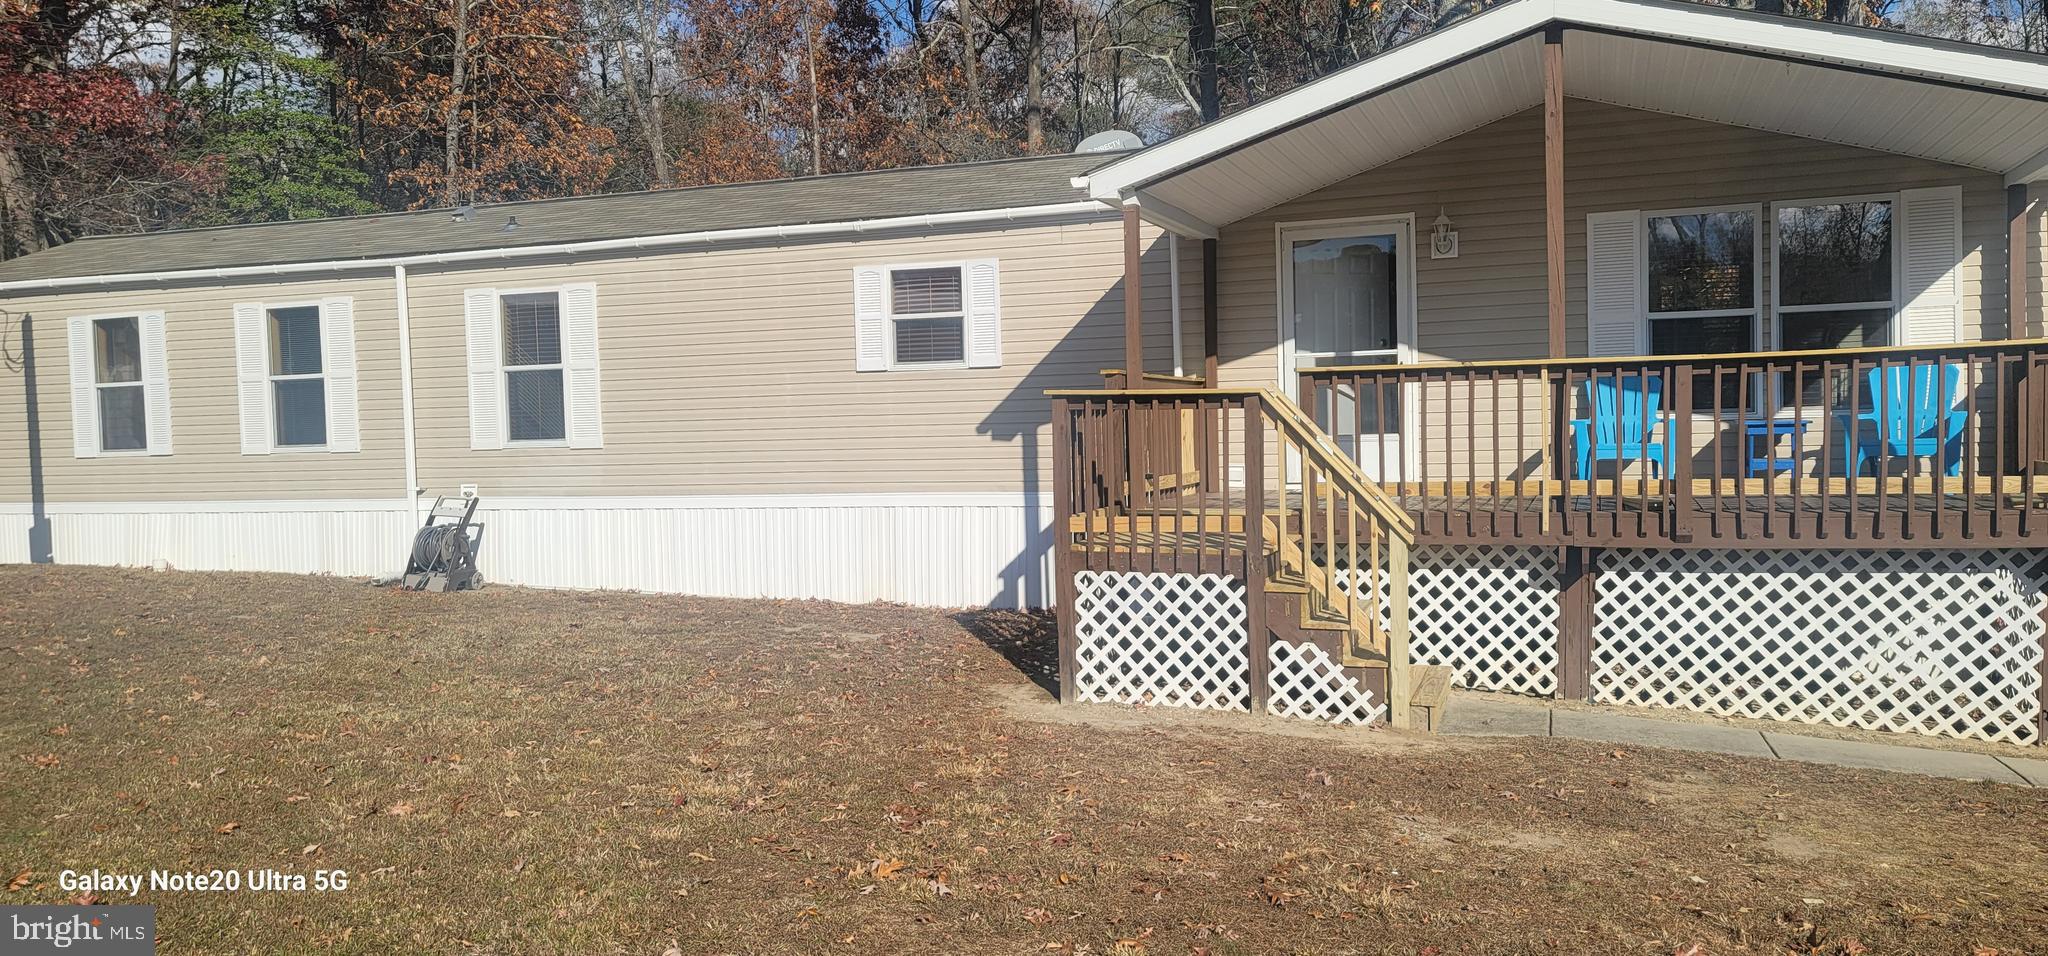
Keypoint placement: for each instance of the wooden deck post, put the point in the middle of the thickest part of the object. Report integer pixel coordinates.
(1211, 481)
(1399, 688)
(1553, 182)
(1064, 565)
(2019, 320)
(1575, 573)
(1134, 297)
(1210, 336)
(1259, 647)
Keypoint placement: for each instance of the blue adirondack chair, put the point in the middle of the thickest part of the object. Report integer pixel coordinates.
(1616, 429)
(1922, 419)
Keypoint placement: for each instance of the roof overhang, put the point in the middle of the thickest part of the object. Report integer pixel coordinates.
(1962, 104)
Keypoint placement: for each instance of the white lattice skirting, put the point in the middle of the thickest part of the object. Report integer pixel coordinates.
(1173, 640)
(1490, 613)
(1941, 643)
(1308, 684)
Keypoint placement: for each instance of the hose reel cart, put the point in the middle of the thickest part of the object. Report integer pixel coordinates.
(444, 550)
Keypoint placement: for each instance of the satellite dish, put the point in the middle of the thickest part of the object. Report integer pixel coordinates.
(1110, 141)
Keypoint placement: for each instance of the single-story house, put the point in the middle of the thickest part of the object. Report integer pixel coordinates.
(1638, 351)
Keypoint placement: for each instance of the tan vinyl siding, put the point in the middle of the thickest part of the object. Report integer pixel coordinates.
(207, 463)
(731, 371)
(1489, 303)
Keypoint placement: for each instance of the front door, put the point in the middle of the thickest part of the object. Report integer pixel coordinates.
(1346, 298)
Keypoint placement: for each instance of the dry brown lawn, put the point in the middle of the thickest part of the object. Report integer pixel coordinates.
(548, 772)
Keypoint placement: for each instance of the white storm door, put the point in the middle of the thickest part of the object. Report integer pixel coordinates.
(1346, 292)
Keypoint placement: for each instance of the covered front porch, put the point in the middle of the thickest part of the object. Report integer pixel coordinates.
(1617, 349)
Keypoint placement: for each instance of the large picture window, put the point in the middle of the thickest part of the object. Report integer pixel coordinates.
(1836, 281)
(1702, 286)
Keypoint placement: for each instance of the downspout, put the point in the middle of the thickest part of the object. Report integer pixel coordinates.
(1173, 295)
(412, 462)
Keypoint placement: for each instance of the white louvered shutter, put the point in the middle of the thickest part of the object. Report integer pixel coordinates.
(584, 398)
(156, 384)
(252, 378)
(486, 385)
(984, 315)
(1931, 245)
(85, 406)
(338, 360)
(870, 320)
(1614, 283)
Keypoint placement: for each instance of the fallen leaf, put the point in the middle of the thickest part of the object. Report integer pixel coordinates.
(886, 869)
(400, 809)
(228, 827)
(20, 880)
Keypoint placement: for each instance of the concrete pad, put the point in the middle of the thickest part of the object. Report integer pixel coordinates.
(1485, 716)
(1855, 753)
(1651, 732)
(2035, 771)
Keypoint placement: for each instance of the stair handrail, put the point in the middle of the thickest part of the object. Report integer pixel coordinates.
(1311, 441)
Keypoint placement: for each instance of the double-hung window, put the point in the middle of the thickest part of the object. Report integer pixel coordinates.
(1836, 277)
(532, 328)
(295, 376)
(533, 369)
(1701, 274)
(927, 317)
(298, 377)
(117, 384)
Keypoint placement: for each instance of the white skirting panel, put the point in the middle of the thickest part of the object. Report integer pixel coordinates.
(944, 550)
(941, 550)
(304, 537)
(16, 524)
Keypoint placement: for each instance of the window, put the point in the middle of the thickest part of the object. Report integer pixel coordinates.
(927, 317)
(298, 380)
(1835, 282)
(117, 377)
(1702, 285)
(534, 408)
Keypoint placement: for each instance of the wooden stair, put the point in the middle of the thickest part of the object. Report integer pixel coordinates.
(1300, 608)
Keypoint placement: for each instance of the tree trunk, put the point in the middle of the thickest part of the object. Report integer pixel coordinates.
(452, 120)
(817, 125)
(1034, 81)
(647, 111)
(657, 100)
(1202, 39)
(18, 233)
(970, 61)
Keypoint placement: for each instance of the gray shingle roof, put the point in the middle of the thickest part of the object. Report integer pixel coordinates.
(836, 198)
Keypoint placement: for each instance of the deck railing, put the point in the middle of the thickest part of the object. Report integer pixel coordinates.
(1193, 480)
(1923, 446)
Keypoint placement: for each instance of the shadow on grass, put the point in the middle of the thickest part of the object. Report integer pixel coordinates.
(1029, 640)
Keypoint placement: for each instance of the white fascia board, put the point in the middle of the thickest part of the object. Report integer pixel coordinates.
(672, 240)
(1495, 25)
(1172, 218)
(1900, 54)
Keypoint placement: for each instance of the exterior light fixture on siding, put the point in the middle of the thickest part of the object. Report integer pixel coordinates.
(1443, 240)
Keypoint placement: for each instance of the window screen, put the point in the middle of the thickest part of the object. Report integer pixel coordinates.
(533, 367)
(298, 383)
(117, 360)
(928, 324)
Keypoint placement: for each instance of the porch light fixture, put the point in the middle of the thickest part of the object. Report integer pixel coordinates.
(1443, 240)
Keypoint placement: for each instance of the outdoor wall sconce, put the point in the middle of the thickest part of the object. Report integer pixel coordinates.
(1443, 240)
